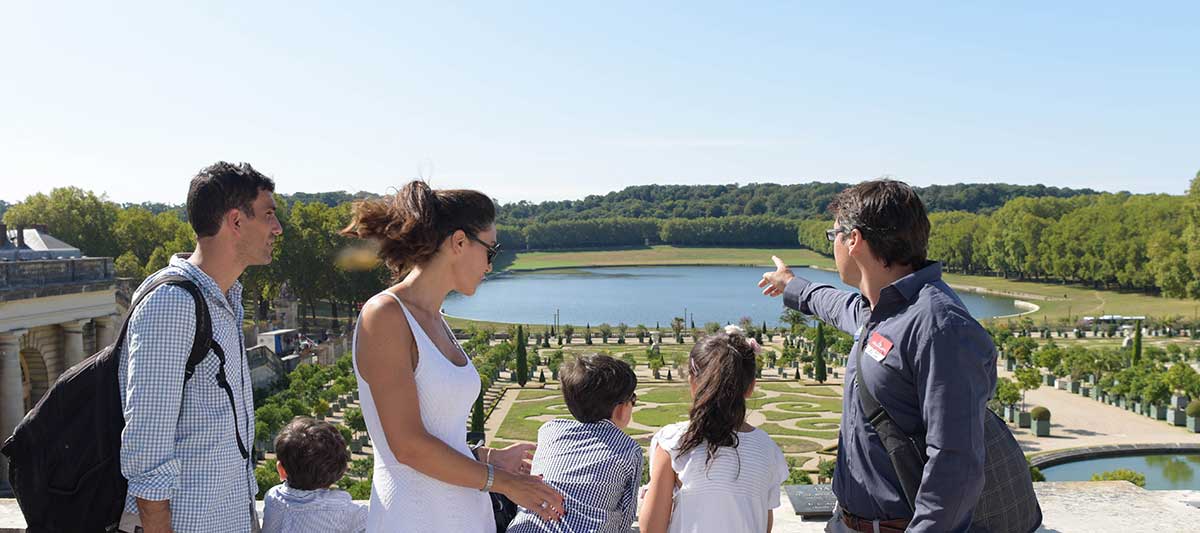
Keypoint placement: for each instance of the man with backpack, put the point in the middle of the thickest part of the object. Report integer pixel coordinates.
(186, 456)
(917, 441)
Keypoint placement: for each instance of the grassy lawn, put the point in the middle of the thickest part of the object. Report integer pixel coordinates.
(517, 426)
(776, 429)
(793, 445)
(666, 255)
(674, 402)
(657, 417)
(535, 394)
(777, 416)
(1059, 300)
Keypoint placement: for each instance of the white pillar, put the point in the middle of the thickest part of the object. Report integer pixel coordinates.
(105, 332)
(73, 342)
(12, 397)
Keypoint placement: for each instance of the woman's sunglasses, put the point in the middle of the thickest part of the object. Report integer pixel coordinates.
(492, 249)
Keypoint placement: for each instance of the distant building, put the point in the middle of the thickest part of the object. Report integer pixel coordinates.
(56, 308)
(281, 341)
(27, 244)
(266, 368)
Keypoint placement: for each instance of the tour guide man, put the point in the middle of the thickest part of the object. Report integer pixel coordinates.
(928, 363)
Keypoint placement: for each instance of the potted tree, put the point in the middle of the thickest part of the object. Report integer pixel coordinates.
(1027, 379)
(1041, 421)
(1155, 395)
(1193, 416)
(1181, 379)
(1008, 395)
(1049, 356)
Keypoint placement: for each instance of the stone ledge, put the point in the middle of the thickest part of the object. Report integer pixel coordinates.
(1067, 507)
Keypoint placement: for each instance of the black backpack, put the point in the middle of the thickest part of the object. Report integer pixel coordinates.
(1007, 503)
(65, 456)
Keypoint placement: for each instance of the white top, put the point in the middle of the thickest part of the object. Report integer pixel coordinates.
(733, 492)
(288, 510)
(403, 499)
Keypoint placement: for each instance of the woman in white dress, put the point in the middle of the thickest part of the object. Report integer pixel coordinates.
(416, 384)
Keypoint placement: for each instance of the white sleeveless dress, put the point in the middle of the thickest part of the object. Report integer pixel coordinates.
(403, 499)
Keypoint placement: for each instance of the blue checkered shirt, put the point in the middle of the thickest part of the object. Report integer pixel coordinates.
(288, 510)
(597, 468)
(181, 447)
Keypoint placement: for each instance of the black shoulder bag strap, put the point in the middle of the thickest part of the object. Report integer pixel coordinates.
(907, 454)
(201, 343)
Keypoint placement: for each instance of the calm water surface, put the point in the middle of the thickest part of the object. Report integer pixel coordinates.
(1163, 472)
(647, 295)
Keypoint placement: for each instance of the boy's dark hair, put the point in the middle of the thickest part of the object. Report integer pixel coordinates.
(890, 216)
(313, 453)
(220, 187)
(594, 384)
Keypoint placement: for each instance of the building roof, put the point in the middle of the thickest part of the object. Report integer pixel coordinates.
(38, 245)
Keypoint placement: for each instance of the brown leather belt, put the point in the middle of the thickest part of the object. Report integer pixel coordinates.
(865, 526)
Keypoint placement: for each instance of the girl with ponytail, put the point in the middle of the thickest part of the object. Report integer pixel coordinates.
(715, 472)
(416, 384)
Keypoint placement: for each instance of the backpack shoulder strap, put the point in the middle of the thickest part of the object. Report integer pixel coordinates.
(202, 341)
(201, 345)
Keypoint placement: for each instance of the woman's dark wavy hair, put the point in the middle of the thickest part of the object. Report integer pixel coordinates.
(411, 225)
(722, 367)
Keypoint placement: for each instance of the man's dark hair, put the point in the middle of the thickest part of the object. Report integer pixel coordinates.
(890, 216)
(313, 453)
(594, 384)
(220, 187)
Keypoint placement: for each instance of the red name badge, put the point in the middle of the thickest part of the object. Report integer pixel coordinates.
(878, 346)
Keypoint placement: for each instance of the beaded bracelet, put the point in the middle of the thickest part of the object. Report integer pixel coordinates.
(491, 478)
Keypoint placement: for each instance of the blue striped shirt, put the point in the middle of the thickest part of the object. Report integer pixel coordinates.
(288, 510)
(181, 447)
(598, 469)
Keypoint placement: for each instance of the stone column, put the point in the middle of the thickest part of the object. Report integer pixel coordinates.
(105, 330)
(12, 397)
(72, 342)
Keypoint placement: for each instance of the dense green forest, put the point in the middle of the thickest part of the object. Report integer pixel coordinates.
(1147, 243)
(794, 202)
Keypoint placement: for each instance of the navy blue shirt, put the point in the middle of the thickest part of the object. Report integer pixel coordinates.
(933, 367)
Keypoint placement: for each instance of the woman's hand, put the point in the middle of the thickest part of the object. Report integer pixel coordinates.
(514, 459)
(531, 493)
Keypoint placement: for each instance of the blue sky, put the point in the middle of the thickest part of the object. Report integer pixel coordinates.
(552, 100)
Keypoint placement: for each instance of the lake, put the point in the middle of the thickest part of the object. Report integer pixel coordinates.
(647, 295)
(1163, 472)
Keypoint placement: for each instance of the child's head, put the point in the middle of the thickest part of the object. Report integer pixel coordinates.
(311, 454)
(598, 387)
(721, 373)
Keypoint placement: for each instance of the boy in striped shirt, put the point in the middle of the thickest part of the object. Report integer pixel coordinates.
(312, 456)
(595, 465)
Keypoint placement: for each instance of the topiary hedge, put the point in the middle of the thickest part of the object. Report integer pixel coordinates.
(1040, 413)
(1193, 408)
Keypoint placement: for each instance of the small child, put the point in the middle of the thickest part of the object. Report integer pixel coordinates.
(595, 465)
(728, 473)
(312, 456)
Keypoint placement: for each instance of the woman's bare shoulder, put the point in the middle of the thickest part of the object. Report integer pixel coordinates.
(383, 327)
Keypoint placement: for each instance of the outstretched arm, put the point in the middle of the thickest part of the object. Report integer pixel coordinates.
(835, 307)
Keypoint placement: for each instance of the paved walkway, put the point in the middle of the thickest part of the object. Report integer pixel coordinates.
(1078, 421)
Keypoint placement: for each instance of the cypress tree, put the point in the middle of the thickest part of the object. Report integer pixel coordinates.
(522, 357)
(819, 349)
